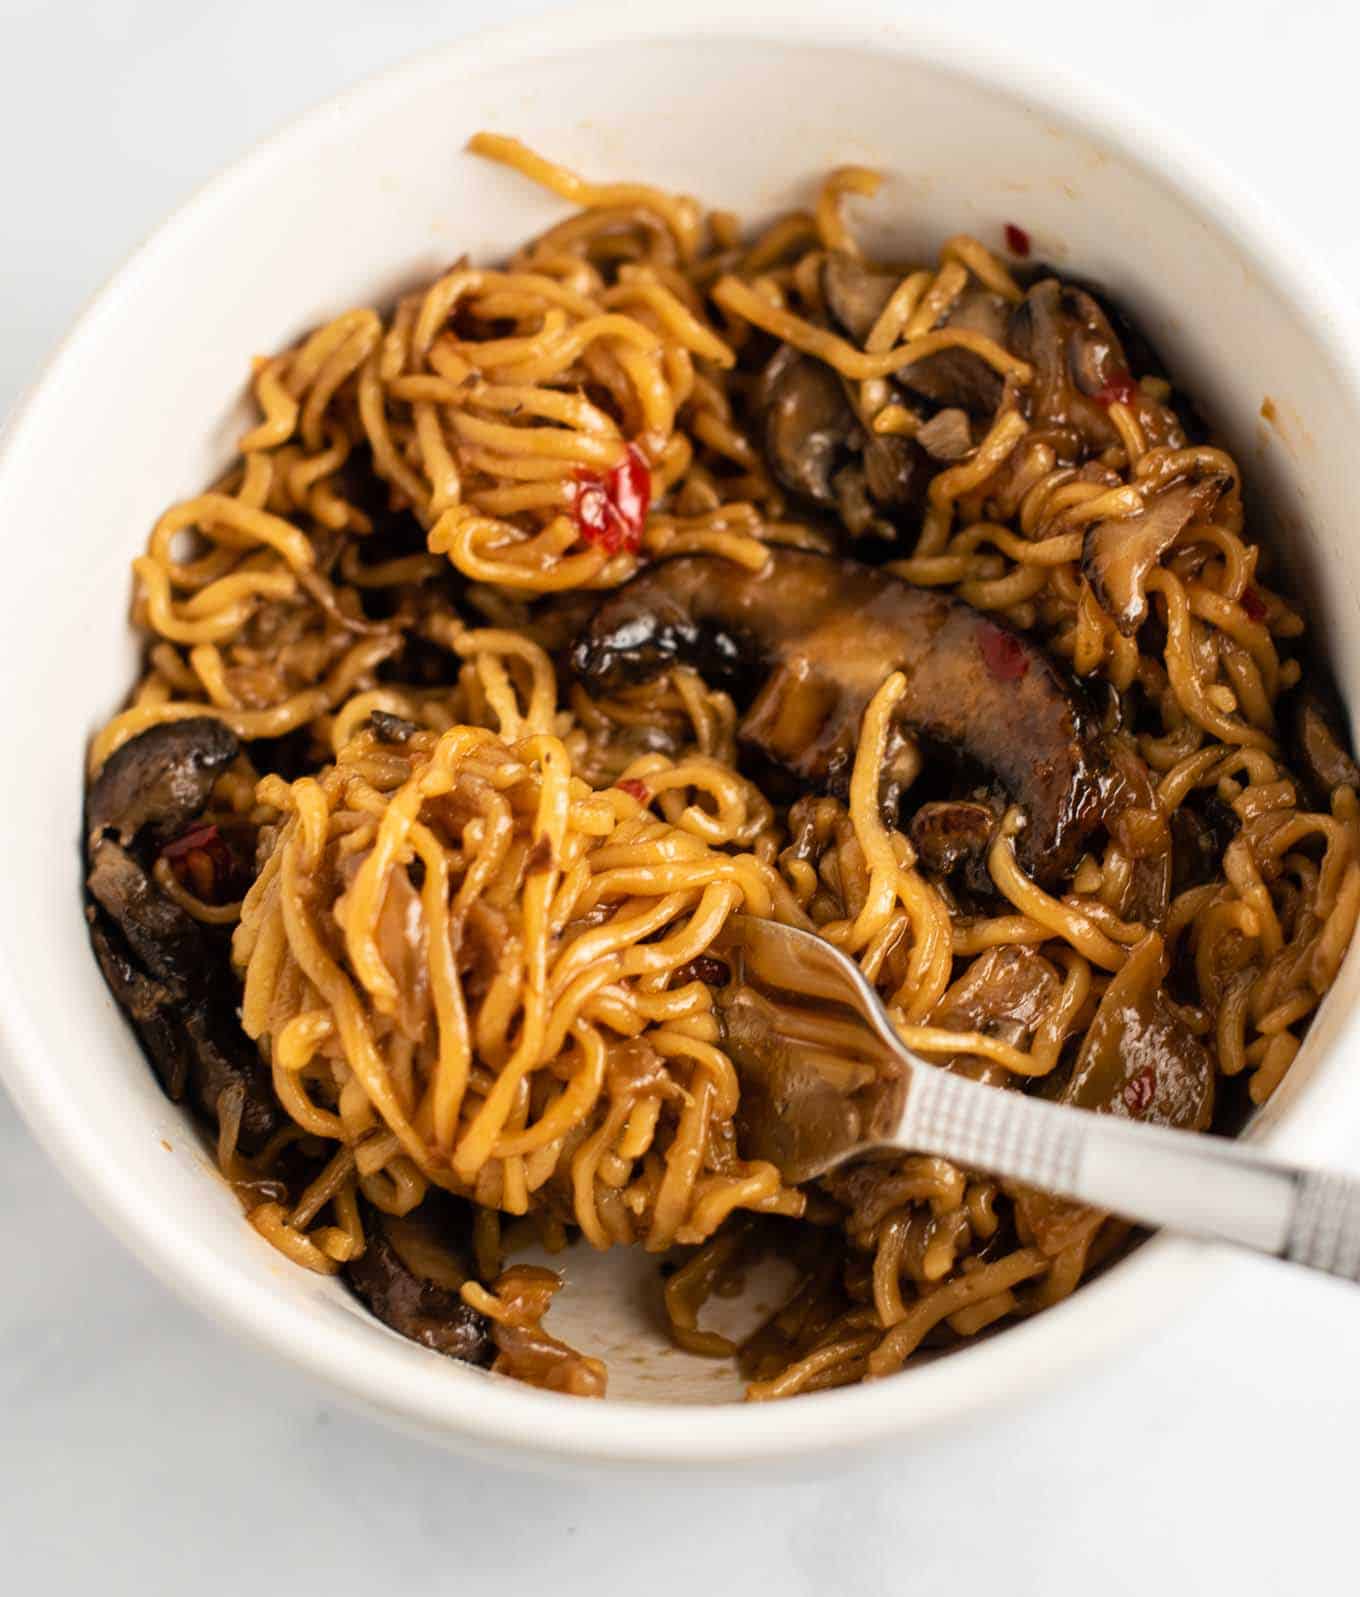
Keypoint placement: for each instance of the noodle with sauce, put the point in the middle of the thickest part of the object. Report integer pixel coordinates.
(406, 863)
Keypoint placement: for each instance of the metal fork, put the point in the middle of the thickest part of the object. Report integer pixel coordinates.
(816, 1051)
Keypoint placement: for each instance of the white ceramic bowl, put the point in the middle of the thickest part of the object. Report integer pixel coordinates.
(372, 192)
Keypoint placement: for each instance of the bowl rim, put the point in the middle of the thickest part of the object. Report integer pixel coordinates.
(499, 1415)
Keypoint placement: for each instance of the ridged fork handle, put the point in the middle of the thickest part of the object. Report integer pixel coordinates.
(1205, 1186)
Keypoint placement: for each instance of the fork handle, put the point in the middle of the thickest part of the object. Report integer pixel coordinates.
(1204, 1186)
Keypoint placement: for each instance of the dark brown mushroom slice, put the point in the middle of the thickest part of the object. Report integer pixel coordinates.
(411, 1303)
(955, 834)
(856, 510)
(168, 972)
(222, 1057)
(1139, 1060)
(826, 633)
(1181, 418)
(1201, 829)
(182, 1043)
(897, 472)
(1136, 819)
(947, 436)
(807, 423)
(1079, 363)
(148, 1004)
(393, 729)
(956, 379)
(1120, 554)
(815, 447)
(1006, 993)
(856, 295)
(160, 780)
(173, 984)
(165, 941)
(1319, 745)
(193, 1039)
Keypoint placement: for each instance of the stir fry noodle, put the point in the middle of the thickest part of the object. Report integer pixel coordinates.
(666, 571)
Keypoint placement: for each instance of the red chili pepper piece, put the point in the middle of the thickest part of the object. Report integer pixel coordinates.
(611, 510)
(630, 487)
(202, 836)
(1017, 240)
(1004, 653)
(590, 506)
(1254, 604)
(1119, 389)
(203, 862)
(1140, 1090)
(635, 789)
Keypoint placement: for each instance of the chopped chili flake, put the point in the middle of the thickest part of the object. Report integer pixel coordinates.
(1254, 604)
(610, 510)
(1140, 1090)
(1119, 388)
(1017, 240)
(197, 837)
(635, 789)
(1003, 652)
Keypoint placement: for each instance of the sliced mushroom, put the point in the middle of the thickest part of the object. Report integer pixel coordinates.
(1077, 358)
(956, 378)
(221, 1056)
(953, 834)
(1120, 554)
(165, 941)
(1199, 837)
(1173, 424)
(854, 506)
(896, 472)
(159, 781)
(168, 972)
(149, 1005)
(1139, 1060)
(816, 448)
(826, 633)
(1004, 993)
(1137, 820)
(808, 423)
(856, 295)
(411, 1301)
(1319, 745)
(170, 982)
(946, 436)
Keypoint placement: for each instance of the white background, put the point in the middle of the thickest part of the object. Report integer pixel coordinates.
(140, 1450)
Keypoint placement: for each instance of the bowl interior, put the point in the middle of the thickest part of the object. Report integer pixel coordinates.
(375, 193)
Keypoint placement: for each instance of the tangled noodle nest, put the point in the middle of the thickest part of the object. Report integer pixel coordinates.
(480, 898)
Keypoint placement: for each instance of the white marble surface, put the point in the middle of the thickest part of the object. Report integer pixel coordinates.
(140, 1450)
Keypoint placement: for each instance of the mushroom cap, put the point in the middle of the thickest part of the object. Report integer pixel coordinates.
(824, 634)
